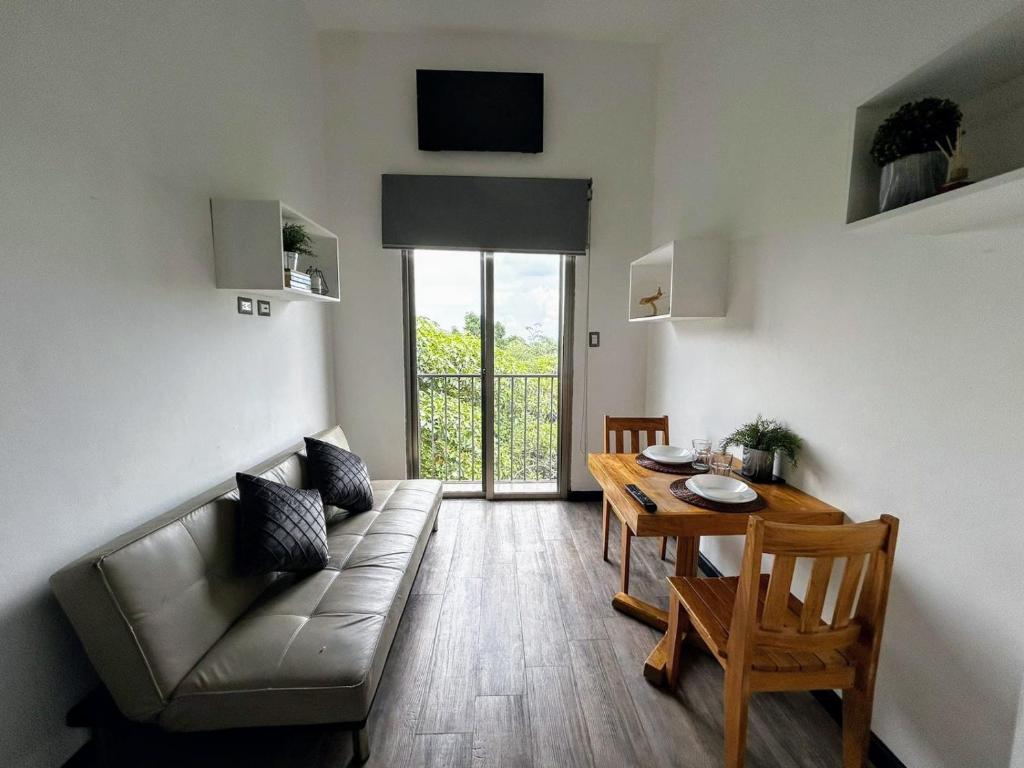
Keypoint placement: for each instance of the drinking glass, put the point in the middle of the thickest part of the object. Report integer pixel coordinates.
(701, 454)
(721, 463)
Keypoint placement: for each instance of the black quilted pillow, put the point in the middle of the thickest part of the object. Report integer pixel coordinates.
(340, 476)
(280, 528)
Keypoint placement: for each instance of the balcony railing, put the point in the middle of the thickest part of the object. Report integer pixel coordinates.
(525, 427)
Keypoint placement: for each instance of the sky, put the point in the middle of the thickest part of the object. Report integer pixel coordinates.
(525, 289)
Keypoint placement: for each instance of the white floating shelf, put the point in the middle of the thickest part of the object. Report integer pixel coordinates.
(650, 318)
(984, 74)
(248, 253)
(691, 275)
(296, 294)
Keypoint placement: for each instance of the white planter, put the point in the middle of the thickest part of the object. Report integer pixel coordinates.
(291, 261)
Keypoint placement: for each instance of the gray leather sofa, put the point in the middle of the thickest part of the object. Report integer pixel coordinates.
(181, 641)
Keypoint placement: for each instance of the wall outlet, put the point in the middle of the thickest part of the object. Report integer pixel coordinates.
(595, 338)
(263, 307)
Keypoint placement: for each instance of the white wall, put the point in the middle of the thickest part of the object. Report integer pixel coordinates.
(599, 123)
(898, 359)
(128, 381)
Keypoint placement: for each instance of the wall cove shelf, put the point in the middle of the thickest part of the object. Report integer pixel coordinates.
(248, 253)
(692, 276)
(995, 203)
(984, 74)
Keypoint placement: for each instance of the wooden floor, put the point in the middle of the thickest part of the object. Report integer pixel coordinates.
(510, 656)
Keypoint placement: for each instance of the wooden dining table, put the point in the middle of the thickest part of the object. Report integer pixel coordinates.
(688, 523)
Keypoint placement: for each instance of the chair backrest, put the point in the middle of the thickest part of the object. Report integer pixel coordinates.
(618, 427)
(782, 623)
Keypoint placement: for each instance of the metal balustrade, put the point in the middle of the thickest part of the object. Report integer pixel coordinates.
(525, 427)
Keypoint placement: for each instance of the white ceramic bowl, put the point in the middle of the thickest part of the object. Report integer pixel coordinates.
(727, 490)
(669, 454)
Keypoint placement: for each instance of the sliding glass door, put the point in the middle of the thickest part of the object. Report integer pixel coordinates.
(486, 355)
(526, 332)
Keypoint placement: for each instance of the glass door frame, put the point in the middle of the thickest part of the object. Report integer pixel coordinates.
(565, 365)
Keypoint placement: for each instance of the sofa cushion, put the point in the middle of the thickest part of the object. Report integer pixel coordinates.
(149, 604)
(339, 475)
(280, 528)
(312, 649)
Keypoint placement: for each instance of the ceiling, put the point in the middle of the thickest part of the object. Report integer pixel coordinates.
(618, 20)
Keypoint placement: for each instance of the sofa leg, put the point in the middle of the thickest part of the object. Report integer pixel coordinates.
(361, 745)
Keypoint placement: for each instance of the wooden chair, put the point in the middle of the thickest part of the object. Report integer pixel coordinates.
(768, 640)
(618, 427)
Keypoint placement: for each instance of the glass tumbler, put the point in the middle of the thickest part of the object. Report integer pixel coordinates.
(721, 463)
(701, 454)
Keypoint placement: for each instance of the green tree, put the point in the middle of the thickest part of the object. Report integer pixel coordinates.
(525, 394)
(471, 325)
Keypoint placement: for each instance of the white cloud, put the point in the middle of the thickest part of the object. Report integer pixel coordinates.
(526, 289)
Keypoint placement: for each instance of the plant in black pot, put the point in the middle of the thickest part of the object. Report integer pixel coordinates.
(295, 241)
(910, 146)
(761, 439)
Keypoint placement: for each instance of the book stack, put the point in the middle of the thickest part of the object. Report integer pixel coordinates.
(297, 280)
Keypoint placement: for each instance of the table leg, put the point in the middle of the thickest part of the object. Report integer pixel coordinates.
(687, 556)
(651, 615)
(605, 527)
(624, 552)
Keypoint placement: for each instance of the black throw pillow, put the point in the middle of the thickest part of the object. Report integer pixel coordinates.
(339, 475)
(280, 528)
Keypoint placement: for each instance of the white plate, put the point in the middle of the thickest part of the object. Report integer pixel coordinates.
(727, 490)
(669, 454)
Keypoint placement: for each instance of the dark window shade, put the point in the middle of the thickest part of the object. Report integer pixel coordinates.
(485, 213)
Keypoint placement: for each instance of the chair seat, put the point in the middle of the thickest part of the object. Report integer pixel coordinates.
(709, 603)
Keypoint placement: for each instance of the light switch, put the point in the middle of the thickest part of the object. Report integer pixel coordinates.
(595, 338)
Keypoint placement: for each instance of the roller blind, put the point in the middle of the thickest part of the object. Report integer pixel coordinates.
(485, 213)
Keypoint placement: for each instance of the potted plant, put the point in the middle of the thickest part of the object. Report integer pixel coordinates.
(910, 146)
(295, 241)
(761, 439)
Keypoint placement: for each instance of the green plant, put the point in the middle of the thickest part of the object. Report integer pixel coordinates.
(918, 126)
(295, 239)
(766, 435)
(525, 412)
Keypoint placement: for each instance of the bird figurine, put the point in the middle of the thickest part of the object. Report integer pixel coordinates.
(652, 301)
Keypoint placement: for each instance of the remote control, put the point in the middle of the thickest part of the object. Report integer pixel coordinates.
(642, 498)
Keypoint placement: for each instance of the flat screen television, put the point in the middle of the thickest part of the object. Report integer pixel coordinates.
(480, 111)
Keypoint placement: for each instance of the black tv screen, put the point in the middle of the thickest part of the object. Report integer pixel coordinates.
(480, 111)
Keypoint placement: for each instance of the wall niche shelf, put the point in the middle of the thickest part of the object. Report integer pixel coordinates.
(995, 203)
(691, 275)
(248, 253)
(984, 74)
